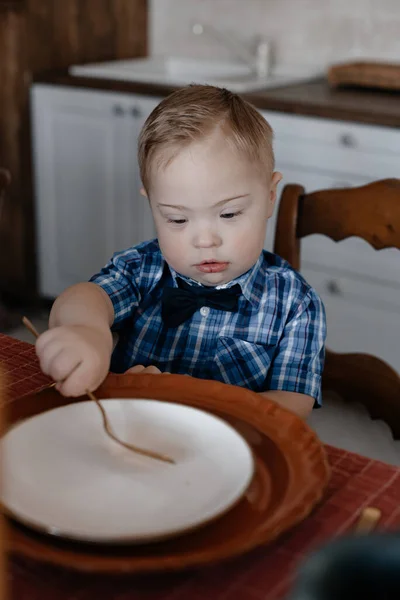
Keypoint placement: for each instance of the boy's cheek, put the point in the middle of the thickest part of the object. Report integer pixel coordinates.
(172, 247)
(163, 234)
(254, 232)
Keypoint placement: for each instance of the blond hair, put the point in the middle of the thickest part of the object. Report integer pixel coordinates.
(194, 112)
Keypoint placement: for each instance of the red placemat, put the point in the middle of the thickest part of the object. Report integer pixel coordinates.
(265, 574)
(20, 367)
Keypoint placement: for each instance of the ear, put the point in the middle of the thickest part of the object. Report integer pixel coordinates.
(143, 192)
(276, 178)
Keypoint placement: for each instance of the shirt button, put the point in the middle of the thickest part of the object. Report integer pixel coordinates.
(204, 311)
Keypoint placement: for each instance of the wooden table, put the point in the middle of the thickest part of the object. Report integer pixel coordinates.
(265, 574)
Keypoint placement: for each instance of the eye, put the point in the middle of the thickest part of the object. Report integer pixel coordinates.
(231, 215)
(177, 221)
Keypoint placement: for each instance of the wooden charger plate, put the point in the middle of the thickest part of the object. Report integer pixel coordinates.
(291, 473)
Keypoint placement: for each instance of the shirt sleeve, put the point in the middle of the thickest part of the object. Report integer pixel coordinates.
(119, 279)
(299, 358)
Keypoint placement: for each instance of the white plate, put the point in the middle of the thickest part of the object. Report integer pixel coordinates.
(63, 475)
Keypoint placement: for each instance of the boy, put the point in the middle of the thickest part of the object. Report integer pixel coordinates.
(203, 299)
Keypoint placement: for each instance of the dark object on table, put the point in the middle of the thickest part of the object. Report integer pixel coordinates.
(367, 74)
(362, 567)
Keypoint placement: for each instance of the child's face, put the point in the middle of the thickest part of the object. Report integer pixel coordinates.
(210, 208)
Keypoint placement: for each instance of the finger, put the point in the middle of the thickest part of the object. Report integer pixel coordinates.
(43, 342)
(44, 338)
(152, 369)
(63, 364)
(135, 369)
(48, 354)
(76, 384)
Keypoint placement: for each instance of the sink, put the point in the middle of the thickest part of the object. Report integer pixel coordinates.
(178, 71)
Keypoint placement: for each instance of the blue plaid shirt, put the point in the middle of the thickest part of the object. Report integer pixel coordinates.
(274, 342)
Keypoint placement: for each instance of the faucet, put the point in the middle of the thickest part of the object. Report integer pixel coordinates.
(258, 61)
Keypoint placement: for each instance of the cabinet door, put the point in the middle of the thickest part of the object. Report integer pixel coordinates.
(78, 181)
(362, 315)
(87, 181)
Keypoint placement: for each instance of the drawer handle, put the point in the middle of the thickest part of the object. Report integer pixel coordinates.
(334, 288)
(118, 110)
(136, 112)
(348, 140)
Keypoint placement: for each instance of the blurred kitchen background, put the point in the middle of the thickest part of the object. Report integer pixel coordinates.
(302, 32)
(70, 116)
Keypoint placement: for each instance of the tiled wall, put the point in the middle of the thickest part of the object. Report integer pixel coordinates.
(303, 32)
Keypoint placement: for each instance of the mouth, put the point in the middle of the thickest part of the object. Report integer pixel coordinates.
(211, 266)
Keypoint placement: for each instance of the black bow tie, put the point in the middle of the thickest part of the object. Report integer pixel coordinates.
(179, 304)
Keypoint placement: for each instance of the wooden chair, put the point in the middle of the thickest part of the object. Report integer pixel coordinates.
(371, 212)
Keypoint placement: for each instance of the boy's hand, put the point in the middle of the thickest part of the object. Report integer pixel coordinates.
(142, 369)
(77, 356)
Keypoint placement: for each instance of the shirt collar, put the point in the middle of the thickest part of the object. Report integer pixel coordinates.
(247, 281)
(188, 280)
(251, 288)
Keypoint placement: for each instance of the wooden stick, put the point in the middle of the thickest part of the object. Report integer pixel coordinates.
(368, 520)
(30, 327)
(48, 386)
(110, 432)
(106, 424)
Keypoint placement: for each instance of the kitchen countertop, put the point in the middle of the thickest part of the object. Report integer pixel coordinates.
(314, 98)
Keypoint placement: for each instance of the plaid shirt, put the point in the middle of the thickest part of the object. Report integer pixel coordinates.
(274, 342)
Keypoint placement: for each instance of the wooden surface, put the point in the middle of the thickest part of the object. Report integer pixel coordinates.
(42, 35)
(318, 99)
(315, 98)
(6, 4)
(366, 74)
(371, 212)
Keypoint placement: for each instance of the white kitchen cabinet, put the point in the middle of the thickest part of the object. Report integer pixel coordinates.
(87, 180)
(359, 286)
(362, 315)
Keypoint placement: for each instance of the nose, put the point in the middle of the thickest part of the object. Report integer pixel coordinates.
(206, 237)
